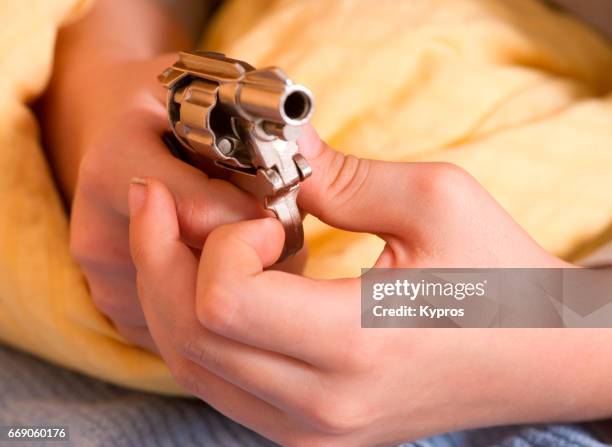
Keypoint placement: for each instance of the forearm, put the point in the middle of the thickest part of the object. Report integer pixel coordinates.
(553, 374)
(114, 31)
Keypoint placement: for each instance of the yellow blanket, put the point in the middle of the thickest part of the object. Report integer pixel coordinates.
(512, 91)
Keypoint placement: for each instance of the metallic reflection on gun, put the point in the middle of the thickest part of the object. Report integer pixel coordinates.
(247, 122)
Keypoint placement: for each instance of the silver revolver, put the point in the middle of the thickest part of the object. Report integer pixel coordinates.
(247, 122)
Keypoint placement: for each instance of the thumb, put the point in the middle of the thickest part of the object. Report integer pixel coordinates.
(353, 193)
(237, 251)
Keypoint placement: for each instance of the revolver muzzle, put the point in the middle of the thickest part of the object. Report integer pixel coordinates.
(282, 103)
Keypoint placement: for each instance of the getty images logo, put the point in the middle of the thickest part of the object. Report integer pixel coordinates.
(412, 290)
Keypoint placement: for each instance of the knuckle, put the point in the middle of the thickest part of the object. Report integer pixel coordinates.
(186, 210)
(199, 351)
(189, 345)
(194, 220)
(341, 415)
(347, 174)
(201, 216)
(445, 182)
(216, 308)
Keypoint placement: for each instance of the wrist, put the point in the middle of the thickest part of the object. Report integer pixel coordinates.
(91, 70)
(115, 30)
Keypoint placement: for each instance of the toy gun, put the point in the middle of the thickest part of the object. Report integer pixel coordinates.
(247, 122)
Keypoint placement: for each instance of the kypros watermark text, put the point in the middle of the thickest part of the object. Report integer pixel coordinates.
(486, 298)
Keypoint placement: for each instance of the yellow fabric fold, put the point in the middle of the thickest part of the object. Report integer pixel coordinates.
(514, 92)
(45, 307)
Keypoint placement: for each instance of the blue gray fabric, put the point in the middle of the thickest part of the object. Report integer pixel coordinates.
(101, 415)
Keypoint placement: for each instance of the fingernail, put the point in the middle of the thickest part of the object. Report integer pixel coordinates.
(137, 195)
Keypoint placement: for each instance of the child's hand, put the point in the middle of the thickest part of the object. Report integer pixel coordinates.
(286, 356)
(121, 131)
(126, 144)
(103, 117)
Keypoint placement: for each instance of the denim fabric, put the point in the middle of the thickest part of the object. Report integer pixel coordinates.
(98, 414)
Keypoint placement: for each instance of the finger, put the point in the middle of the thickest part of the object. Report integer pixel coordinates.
(202, 203)
(284, 313)
(359, 194)
(274, 311)
(162, 260)
(230, 400)
(166, 278)
(295, 263)
(105, 259)
(254, 370)
(241, 250)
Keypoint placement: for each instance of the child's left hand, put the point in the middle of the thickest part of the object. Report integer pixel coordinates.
(286, 356)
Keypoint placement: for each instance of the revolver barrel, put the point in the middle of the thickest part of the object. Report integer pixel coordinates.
(276, 101)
